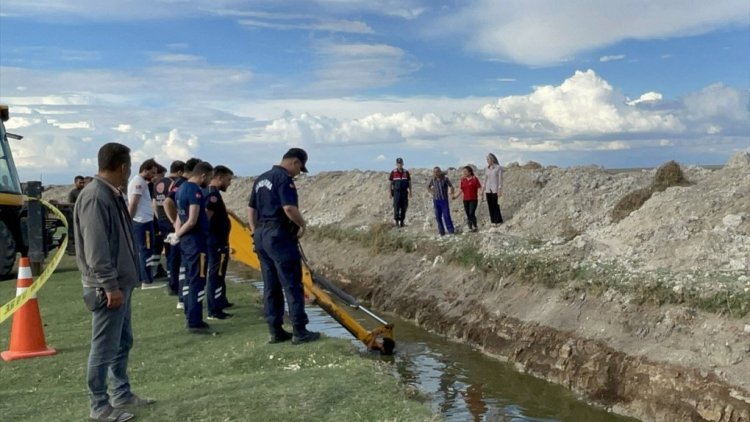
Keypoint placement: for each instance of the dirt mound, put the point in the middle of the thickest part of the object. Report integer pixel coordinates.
(667, 175)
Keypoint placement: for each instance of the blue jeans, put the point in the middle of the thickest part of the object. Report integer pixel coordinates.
(443, 215)
(144, 241)
(111, 340)
(281, 269)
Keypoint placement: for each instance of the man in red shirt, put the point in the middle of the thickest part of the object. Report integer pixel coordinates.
(469, 188)
(400, 191)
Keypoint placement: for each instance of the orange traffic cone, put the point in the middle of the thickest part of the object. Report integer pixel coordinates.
(26, 334)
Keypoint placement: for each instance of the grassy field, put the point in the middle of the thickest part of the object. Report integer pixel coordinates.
(233, 376)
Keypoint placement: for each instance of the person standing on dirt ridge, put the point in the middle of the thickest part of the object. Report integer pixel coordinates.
(492, 188)
(78, 181)
(400, 189)
(439, 186)
(142, 213)
(218, 243)
(277, 224)
(469, 189)
(107, 257)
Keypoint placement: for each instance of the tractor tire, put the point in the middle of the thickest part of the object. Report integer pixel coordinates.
(7, 251)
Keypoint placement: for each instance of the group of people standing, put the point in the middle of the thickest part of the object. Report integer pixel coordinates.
(115, 229)
(442, 190)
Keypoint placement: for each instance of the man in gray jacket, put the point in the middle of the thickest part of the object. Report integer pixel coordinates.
(107, 259)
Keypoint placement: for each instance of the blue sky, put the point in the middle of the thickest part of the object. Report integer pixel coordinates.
(357, 83)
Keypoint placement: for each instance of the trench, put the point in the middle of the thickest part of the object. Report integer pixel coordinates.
(456, 381)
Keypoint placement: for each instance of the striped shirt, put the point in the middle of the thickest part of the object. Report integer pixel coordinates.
(439, 187)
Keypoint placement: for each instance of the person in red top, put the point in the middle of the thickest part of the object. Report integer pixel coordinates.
(469, 189)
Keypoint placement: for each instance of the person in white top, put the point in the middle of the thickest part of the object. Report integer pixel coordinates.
(493, 188)
(142, 213)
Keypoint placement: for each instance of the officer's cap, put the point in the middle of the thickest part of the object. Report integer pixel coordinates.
(399, 160)
(299, 154)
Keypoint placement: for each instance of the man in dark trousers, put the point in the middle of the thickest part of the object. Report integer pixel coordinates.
(218, 243)
(162, 190)
(277, 223)
(177, 270)
(400, 191)
(107, 257)
(191, 233)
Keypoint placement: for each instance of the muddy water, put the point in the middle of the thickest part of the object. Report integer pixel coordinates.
(459, 383)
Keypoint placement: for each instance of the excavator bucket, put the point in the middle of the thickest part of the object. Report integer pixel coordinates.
(320, 290)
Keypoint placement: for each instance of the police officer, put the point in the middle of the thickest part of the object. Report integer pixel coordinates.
(277, 223)
(400, 191)
(191, 233)
(218, 243)
(162, 189)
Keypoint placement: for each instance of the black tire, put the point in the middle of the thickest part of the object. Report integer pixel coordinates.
(7, 251)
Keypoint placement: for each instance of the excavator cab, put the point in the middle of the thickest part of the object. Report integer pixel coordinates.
(21, 223)
(11, 201)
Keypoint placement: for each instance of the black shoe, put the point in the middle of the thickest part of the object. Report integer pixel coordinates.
(304, 336)
(161, 273)
(402, 223)
(279, 335)
(171, 292)
(219, 315)
(228, 305)
(202, 328)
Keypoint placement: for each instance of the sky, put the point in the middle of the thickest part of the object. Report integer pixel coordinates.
(357, 83)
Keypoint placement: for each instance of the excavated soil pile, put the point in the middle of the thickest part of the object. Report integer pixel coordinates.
(629, 287)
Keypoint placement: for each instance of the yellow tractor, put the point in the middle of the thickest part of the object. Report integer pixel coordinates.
(23, 226)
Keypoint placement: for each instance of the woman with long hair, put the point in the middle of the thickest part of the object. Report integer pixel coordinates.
(493, 188)
(469, 189)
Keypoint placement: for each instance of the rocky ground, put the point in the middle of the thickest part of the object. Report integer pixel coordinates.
(668, 285)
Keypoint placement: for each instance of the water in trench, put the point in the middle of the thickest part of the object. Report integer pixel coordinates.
(460, 383)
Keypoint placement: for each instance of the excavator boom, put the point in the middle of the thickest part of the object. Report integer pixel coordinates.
(320, 290)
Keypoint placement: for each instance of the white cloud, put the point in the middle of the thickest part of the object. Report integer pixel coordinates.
(123, 128)
(346, 26)
(605, 59)
(649, 97)
(546, 32)
(350, 67)
(583, 113)
(380, 157)
(176, 58)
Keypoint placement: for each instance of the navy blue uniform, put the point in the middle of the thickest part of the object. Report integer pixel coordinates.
(174, 259)
(400, 186)
(218, 251)
(275, 240)
(193, 246)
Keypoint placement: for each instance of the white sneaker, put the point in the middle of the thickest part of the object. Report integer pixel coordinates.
(180, 305)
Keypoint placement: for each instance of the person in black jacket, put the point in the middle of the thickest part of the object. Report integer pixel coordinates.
(400, 188)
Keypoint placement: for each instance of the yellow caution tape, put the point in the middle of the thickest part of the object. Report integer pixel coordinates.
(11, 307)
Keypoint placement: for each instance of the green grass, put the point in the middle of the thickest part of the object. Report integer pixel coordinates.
(549, 272)
(234, 376)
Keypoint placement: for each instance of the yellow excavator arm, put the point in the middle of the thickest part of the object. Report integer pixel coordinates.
(317, 289)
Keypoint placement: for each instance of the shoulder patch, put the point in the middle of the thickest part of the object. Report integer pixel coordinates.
(213, 198)
(291, 185)
(198, 195)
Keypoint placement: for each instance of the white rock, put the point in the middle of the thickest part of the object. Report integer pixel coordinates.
(741, 159)
(732, 220)
(747, 328)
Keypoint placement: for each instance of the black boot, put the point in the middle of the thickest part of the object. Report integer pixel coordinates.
(278, 335)
(301, 335)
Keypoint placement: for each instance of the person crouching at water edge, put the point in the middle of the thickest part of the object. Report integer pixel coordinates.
(439, 186)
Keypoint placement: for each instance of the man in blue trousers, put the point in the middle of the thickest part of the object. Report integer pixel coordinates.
(277, 223)
(439, 185)
(191, 234)
(218, 243)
